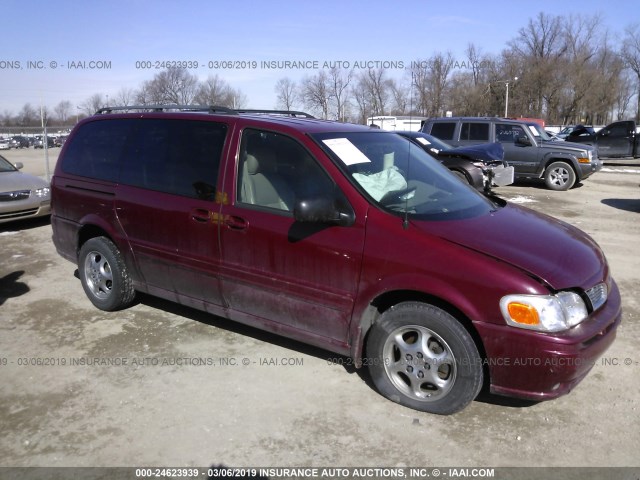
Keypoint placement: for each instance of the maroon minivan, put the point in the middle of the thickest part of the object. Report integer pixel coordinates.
(345, 237)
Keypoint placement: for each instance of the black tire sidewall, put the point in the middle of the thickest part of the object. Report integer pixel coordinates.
(566, 186)
(120, 295)
(468, 362)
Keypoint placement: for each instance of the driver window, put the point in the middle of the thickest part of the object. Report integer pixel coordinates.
(506, 133)
(275, 170)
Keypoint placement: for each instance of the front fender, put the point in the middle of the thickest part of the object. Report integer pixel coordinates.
(551, 157)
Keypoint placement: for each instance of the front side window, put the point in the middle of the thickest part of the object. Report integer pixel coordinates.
(507, 132)
(618, 130)
(400, 177)
(274, 170)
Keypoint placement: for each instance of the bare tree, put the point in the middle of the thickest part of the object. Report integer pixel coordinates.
(539, 46)
(339, 80)
(631, 56)
(173, 86)
(92, 104)
(6, 118)
(376, 85)
(360, 96)
(215, 91)
(624, 94)
(401, 95)
(430, 79)
(125, 96)
(62, 111)
(28, 116)
(316, 93)
(286, 93)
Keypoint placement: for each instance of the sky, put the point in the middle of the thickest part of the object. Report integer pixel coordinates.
(70, 50)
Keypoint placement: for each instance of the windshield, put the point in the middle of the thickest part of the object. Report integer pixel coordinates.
(538, 132)
(6, 166)
(399, 176)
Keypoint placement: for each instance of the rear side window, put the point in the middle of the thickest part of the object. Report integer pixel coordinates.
(181, 157)
(443, 130)
(475, 131)
(96, 149)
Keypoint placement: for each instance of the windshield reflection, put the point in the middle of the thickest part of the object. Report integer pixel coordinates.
(400, 177)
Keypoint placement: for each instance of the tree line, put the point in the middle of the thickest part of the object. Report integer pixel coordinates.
(563, 69)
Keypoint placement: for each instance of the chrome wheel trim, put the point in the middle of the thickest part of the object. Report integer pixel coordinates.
(419, 363)
(98, 275)
(559, 176)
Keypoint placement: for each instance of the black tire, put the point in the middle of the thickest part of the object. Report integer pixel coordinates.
(104, 275)
(559, 176)
(442, 378)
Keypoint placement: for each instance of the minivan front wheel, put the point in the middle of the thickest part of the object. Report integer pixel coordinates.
(422, 357)
(559, 176)
(104, 275)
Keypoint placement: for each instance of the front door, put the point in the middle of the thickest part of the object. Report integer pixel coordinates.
(615, 140)
(274, 269)
(523, 158)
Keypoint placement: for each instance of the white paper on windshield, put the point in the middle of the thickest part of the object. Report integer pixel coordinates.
(423, 141)
(346, 151)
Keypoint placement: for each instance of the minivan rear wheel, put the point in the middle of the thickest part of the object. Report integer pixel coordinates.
(104, 275)
(559, 176)
(422, 357)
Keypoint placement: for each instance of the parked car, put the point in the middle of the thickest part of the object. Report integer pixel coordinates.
(22, 195)
(338, 235)
(481, 166)
(5, 144)
(19, 142)
(38, 143)
(527, 148)
(568, 130)
(59, 140)
(617, 140)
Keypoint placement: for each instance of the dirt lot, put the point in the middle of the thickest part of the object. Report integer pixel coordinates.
(191, 389)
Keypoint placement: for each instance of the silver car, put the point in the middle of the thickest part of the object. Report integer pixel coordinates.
(22, 195)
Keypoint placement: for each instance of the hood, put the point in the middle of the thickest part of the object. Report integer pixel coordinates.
(546, 248)
(487, 152)
(566, 146)
(11, 181)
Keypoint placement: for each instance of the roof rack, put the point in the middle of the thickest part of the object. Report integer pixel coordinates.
(164, 108)
(288, 113)
(201, 108)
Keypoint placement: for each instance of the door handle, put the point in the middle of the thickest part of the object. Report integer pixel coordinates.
(200, 215)
(236, 223)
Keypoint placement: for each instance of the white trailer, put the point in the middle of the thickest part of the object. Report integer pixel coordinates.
(403, 122)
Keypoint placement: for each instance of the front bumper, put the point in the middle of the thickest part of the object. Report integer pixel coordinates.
(542, 366)
(20, 210)
(587, 169)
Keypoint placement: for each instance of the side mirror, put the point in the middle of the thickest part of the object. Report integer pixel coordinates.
(523, 140)
(19, 165)
(329, 210)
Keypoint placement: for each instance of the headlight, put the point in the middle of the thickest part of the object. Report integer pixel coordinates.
(547, 313)
(42, 192)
